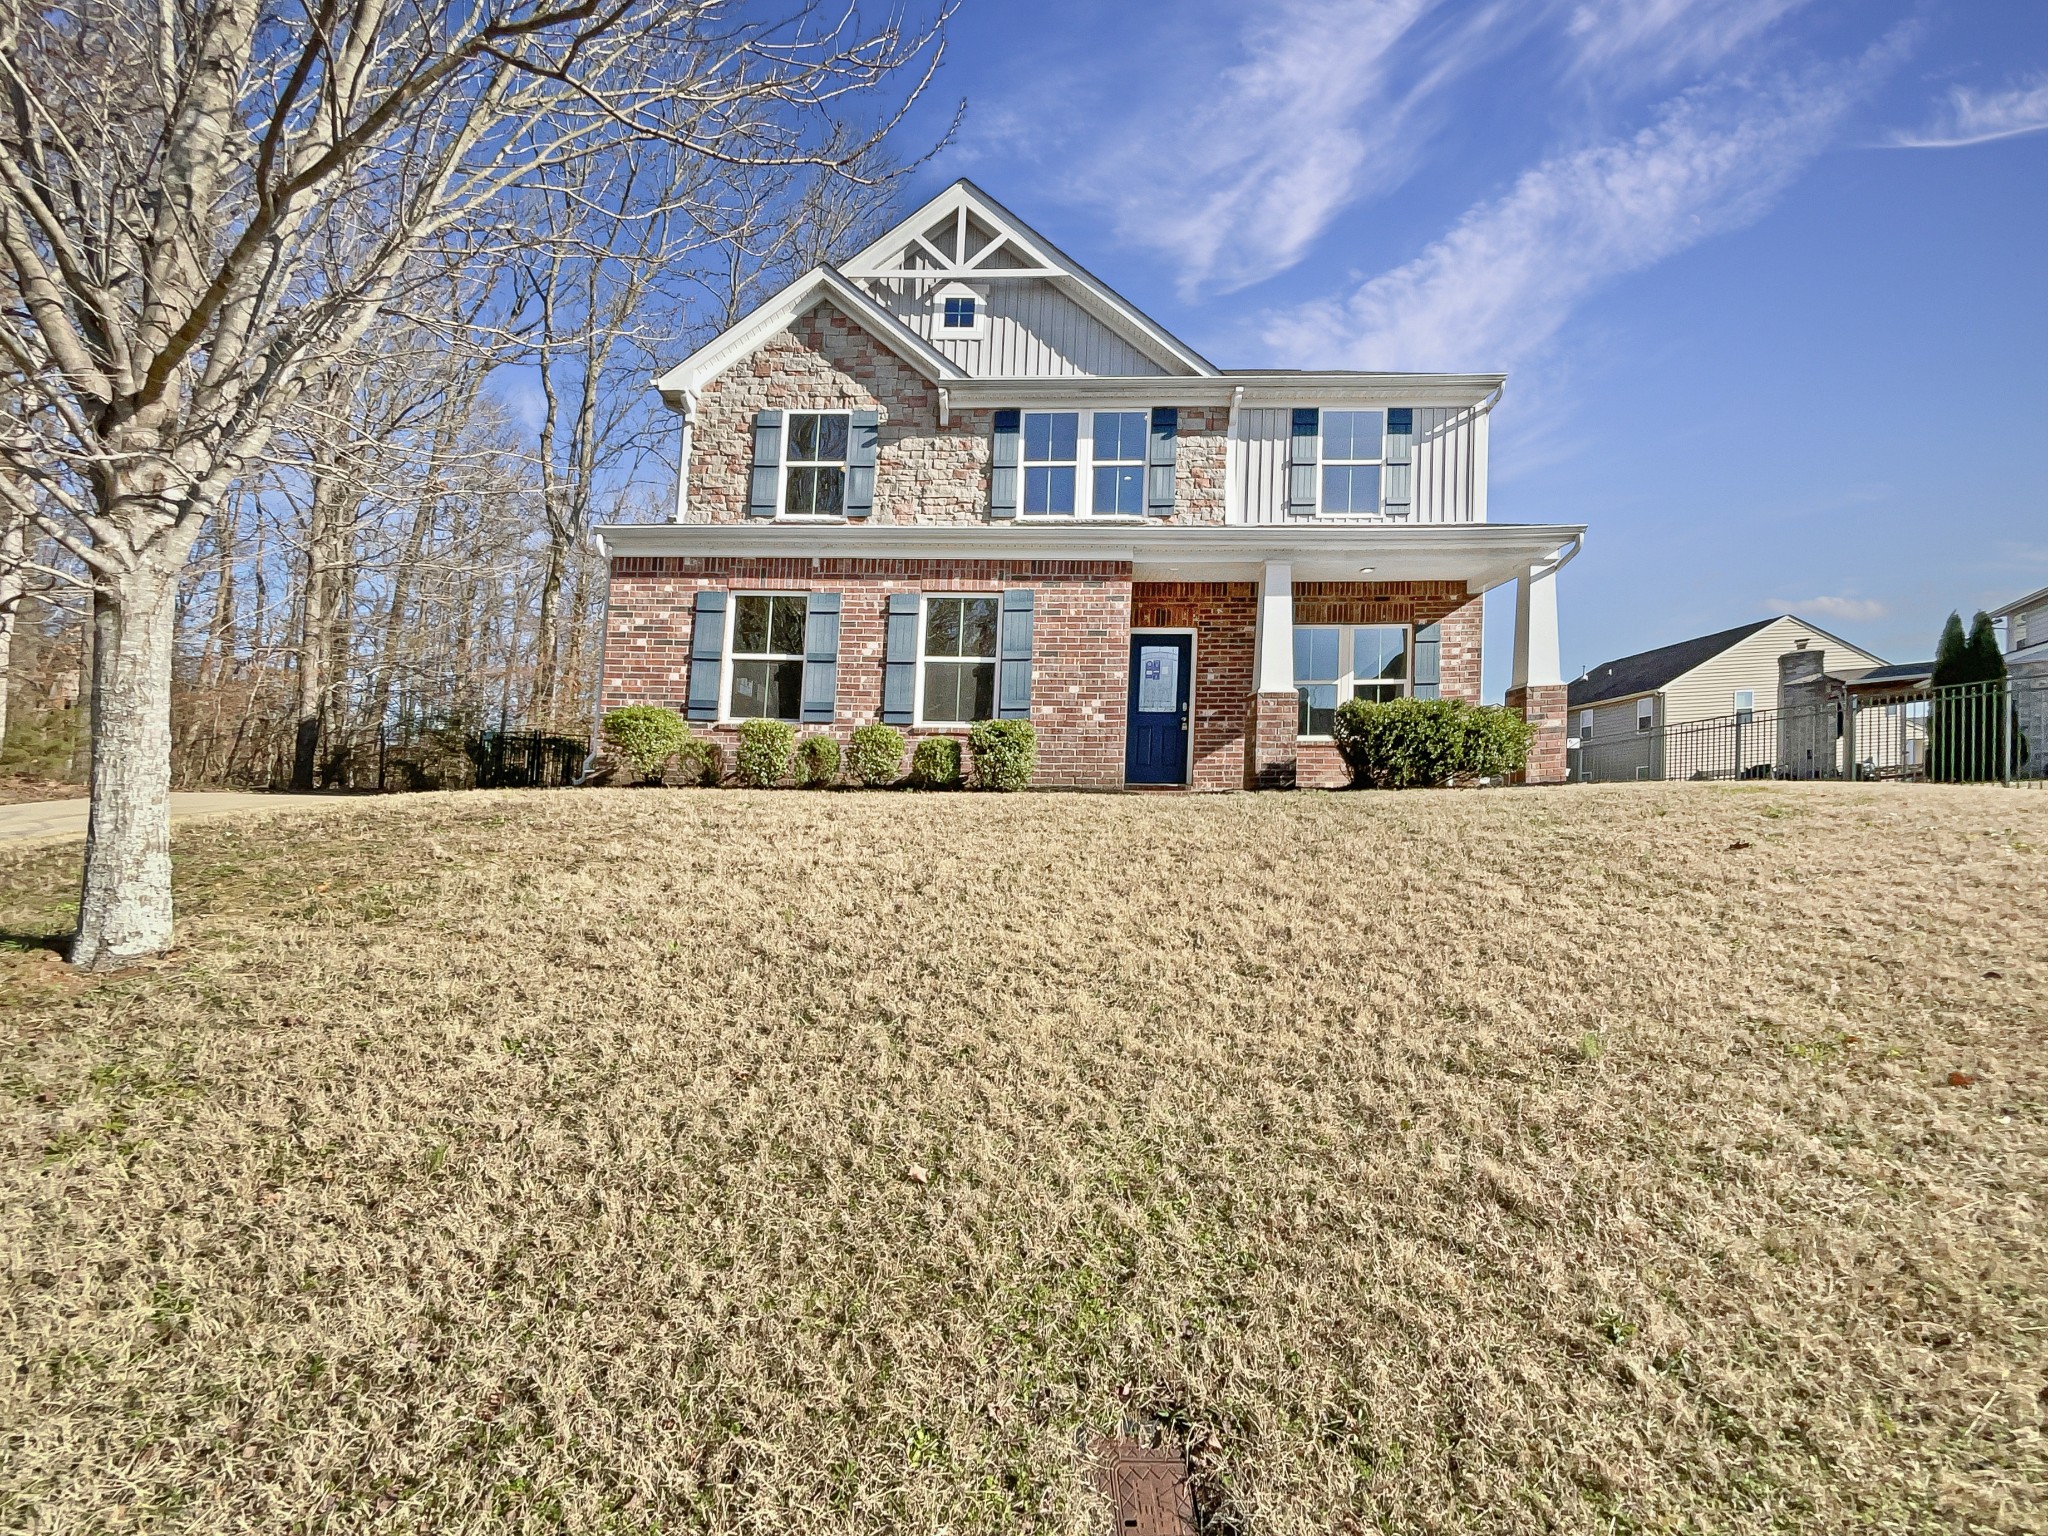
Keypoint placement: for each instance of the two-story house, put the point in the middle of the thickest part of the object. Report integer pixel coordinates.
(957, 478)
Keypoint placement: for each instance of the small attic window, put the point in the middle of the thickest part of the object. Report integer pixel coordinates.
(959, 315)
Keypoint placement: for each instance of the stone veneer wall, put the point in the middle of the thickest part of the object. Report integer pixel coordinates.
(1080, 650)
(924, 473)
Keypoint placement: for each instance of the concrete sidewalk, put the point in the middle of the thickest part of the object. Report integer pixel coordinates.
(66, 818)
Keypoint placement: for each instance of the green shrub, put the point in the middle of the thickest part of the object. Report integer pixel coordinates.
(1418, 743)
(766, 748)
(936, 763)
(644, 736)
(875, 756)
(817, 762)
(1005, 753)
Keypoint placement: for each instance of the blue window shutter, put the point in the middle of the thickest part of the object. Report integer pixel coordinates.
(707, 653)
(1159, 462)
(765, 487)
(1002, 475)
(1429, 650)
(1013, 657)
(861, 446)
(821, 658)
(899, 661)
(1397, 485)
(1301, 462)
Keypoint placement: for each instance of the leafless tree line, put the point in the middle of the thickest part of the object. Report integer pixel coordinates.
(326, 327)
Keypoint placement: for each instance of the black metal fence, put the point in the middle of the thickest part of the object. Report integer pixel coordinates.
(1969, 733)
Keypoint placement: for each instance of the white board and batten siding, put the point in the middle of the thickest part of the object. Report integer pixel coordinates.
(1029, 329)
(1450, 465)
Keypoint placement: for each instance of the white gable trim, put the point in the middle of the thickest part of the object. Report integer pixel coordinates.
(876, 264)
(747, 335)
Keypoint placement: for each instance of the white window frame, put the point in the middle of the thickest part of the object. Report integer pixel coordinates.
(1585, 724)
(1741, 708)
(943, 332)
(1084, 463)
(729, 668)
(1646, 714)
(1322, 416)
(790, 462)
(1347, 675)
(925, 600)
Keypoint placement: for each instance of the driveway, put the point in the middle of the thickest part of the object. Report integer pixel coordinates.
(66, 818)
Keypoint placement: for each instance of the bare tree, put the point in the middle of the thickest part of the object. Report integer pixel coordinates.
(201, 201)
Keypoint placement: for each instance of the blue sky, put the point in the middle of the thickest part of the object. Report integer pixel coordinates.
(1766, 275)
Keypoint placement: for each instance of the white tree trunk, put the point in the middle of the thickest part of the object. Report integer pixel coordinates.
(13, 544)
(124, 909)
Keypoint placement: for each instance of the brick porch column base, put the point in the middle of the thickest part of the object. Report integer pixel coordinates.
(1543, 707)
(1270, 721)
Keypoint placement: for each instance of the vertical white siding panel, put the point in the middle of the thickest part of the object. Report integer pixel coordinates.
(1262, 448)
(1031, 330)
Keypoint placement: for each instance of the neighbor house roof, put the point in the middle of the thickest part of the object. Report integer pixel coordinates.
(2018, 603)
(1647, 671)
(1897, 672)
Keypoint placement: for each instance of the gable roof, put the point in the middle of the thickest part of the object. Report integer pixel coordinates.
(980, 240)
(1648, 671)
(750, 331)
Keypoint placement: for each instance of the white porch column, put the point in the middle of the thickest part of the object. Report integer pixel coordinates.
(1536, 651)
(1273, 666)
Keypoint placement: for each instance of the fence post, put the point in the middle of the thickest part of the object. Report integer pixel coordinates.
(2006, 726)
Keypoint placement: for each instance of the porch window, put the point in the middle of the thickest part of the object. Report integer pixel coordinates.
(1364, 661)
(1051, 459)
(814, 484)
(1354, 448)
(767, 658)
(960, 659)
(1119, 445)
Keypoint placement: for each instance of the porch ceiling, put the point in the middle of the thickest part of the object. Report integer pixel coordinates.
(1481, 555)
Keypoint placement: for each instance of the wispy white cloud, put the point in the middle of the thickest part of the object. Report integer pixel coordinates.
(1660, 38)
(1848, 610)
(1506, 279)
(1252, 165)
(1978, 117)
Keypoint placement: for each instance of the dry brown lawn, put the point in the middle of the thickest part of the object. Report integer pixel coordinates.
(1644, 1158)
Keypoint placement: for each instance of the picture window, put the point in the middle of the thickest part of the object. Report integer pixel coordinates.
(1332, 663)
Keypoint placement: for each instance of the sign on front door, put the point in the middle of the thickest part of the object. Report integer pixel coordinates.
(1162, 687)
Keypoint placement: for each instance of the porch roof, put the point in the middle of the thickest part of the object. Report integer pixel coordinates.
(1481, 555)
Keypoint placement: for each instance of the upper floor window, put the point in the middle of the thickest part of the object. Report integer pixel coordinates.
(767, 658)
(1118, 441)
(959, 313)
(1365, 661)
(960, 659)
(814, 482)
(1353, 454)
(1051, 462)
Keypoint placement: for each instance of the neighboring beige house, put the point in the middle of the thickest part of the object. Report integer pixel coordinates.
(1619, 712)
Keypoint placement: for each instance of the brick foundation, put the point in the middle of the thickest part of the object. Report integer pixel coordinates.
(1543, 706)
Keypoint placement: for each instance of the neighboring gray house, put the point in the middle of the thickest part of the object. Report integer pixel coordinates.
(2026, 660)
(1619, 713)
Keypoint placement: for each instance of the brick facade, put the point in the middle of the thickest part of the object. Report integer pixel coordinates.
(1080, 651)
(1084, 613)
(924, 473)
(1543, 706)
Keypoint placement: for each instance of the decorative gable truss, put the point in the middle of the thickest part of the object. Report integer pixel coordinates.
(962, 252)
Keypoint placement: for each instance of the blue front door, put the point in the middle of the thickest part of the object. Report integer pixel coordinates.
(1162, 683)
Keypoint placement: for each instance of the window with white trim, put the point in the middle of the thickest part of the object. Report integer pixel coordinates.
(814, 479)
(767, 657)
(1117, 442)
(959, 313)
(1353, 459)
(1745, 702)
(1052, 462)
(1585, 724)
(958, 667)
(1646, 713)
(1353, 661)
